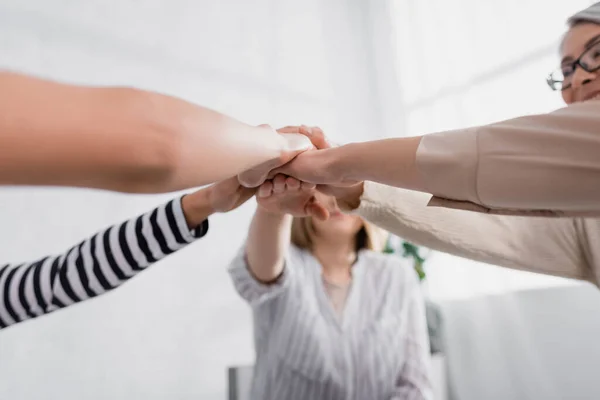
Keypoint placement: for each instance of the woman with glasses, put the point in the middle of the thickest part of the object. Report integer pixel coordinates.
(541, 165)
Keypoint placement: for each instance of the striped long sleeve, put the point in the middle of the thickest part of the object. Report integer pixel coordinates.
(95, 266)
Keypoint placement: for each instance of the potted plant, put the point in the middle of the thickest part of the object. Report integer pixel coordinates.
(396, 245)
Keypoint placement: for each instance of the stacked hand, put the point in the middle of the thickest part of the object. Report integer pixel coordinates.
(291, 187)
(300, 183)
(297, 141)
(287, 195)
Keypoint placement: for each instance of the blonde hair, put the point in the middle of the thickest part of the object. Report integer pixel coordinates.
(369, 237)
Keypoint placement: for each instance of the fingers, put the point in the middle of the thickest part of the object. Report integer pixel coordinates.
(302, 129)
(265, 190)
(317, 210)
(318, 139)
(307, 185)
(314, 133)
(279, 184)
(293, 183)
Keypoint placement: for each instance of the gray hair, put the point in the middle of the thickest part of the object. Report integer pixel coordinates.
(590, 14)
(587, 15)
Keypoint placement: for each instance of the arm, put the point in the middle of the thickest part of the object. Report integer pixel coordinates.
(269, 238)
(268, 241)
(545, 245)
(109, 258)
(528, 164)
(262, 270)
(413, 381)
(554, 246)
(123, 139)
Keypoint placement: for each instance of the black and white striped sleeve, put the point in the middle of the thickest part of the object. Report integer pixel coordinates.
(94, 266)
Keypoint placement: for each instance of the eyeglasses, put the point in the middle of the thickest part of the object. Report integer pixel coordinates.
(589, 61)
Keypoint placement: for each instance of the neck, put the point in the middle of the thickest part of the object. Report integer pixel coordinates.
(335, 255)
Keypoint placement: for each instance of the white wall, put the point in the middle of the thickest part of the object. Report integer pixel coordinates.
(172, 331)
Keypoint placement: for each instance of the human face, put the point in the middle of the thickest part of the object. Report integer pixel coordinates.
(580, 63)
(339, 226)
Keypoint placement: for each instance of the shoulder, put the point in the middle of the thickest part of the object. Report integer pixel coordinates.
(297, 260)
(297, 254)
(392, 267)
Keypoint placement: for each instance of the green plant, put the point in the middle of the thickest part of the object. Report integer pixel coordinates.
(407, 250)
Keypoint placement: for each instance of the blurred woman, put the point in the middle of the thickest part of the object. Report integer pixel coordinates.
(334, 318)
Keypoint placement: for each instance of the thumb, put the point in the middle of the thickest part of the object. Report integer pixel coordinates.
(245, 193)
(295, 142)
(319, 140)
(316, 210)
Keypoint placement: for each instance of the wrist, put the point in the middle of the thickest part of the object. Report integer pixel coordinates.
(340, 165)
(196, 207)
(271, 214)
(348, 197)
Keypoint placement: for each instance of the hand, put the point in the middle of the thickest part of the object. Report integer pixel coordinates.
(228, 195)
(316, 167)
(348, 195)
(296, 143)
(285, 195)
(221, 197)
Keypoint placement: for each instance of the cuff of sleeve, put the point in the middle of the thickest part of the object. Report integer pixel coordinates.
(448, 164)
(379, 200)
(250, 288)
(182, 226)
(373, 201)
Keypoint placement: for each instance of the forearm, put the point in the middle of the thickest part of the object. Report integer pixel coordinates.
(389, 161)
(119, 139)
(543, 245)
(544, 164)
(267, 244)
(93, 267)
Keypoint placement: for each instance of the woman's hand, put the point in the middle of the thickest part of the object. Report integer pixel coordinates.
(347, 194)
(296, 142)
(320, 167)
(286, 195)
(220, 197)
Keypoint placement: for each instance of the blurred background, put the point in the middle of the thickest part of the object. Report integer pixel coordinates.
(361, 70)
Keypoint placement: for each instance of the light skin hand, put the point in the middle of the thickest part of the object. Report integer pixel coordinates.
(286, 195)
(389, 161)
(314, 166)
(314, 162)
(220, 197)
(296, 143)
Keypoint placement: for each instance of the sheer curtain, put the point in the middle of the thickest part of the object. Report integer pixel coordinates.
(465, 63)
